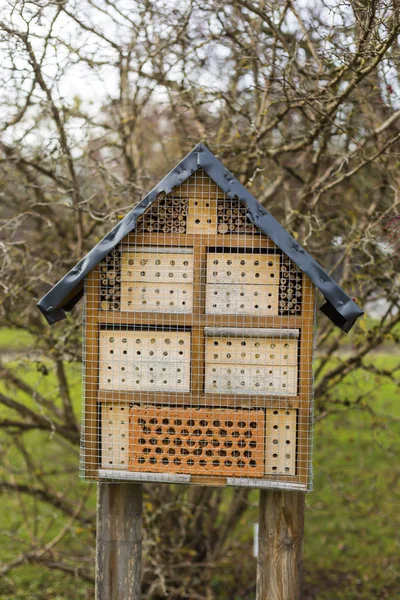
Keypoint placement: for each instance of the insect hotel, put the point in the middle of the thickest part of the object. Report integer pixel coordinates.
(198, 338)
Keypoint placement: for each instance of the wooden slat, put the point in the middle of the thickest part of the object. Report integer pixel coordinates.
(114, 435)
(91, 445)
(280, 442)
(304, 417)
(197, 320)
(187, 399)
(186, 240)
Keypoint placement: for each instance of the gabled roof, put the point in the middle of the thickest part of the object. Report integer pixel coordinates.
(339, 307)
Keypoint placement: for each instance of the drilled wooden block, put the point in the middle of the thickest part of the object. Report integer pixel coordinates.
(280, 441)
(234, 268)
(248, 379)
(251, 351)
(157, 265)
(157, 297)
(114, 435)
(157, 361)
(202, 216)
(197, 441)
(242, 299)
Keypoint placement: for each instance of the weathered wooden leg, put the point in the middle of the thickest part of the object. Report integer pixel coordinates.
(280, 545)
(119, 541)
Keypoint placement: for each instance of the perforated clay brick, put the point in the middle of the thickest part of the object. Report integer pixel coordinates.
(197, 441)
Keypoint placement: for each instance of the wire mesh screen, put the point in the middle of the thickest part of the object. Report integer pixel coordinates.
(198, 351)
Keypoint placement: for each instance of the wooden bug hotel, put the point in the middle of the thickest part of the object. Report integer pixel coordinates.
(198, 338)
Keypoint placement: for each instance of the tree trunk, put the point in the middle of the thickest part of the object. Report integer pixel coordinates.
(119, 541)
(280, 545)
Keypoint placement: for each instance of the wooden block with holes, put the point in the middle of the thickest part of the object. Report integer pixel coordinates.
(202, 216)
(251, 361)
(114, 435)
(156, 361)
(280, 441)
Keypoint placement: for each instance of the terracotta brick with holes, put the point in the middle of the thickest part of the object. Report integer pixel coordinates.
(196, 441)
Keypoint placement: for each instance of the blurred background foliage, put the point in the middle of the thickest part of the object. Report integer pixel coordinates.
(302, 102)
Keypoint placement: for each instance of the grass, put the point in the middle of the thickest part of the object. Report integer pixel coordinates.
(12, 339)
(352, 539)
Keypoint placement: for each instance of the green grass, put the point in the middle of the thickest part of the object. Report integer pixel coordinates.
(11, 339)
(352, 540)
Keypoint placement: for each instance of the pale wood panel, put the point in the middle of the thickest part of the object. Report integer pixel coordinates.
(198, 441)
(251, 351)
(145, 360)
(114, 435)
(242, 299)
(157, 297)
(280, 441)
(171, 267)
(233, 268)
(248, 379)
(202, 216)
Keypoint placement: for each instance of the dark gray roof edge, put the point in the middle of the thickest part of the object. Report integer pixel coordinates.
(339, 307)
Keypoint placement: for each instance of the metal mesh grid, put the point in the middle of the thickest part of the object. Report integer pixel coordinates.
(197, 323)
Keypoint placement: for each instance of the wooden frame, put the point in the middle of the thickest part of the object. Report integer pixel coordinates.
(201, 244)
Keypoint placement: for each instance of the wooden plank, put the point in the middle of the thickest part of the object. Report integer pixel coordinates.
(186, 240)
(304, 417)
(199, 320)
(198, 342)
(157, 297)
(198, 441)
(280, 545)
(114, 435)
(251, 351)
(236, 268)
(249, 379)
(90, 429)
(193, 399)
(280, 441)
(145, 360)
(242, 299)
(119, 541)
(159, 267)
(259, 333)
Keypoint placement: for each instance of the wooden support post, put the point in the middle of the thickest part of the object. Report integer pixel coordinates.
(119, 541)
(280, 545)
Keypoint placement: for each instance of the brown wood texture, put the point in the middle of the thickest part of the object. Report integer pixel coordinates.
(181, 399)
(280, 545)
(197, 320)
(91, 417)
(304, 416)
(119, 541)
